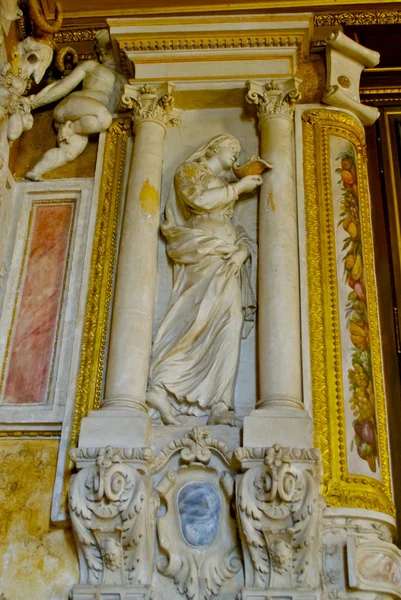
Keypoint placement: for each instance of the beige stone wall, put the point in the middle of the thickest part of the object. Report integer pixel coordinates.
(37, 560)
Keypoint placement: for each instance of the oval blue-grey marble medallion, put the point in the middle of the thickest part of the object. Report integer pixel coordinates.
(199, 512)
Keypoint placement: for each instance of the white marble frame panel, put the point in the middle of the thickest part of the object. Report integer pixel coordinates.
(49, 416)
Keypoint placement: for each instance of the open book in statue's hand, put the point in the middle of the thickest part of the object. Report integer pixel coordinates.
(253, 166)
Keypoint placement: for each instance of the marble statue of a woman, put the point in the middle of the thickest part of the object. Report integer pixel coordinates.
(196, 350)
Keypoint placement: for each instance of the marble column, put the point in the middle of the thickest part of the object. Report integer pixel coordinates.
(134, 300)
(279, 330)
(134, 297)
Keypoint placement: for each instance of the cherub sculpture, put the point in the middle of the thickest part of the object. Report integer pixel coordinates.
(81, 112)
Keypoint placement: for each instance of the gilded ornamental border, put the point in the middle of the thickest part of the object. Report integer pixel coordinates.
(340, 488)
(101, 279)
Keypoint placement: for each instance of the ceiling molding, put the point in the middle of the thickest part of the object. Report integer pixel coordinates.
(102, 9)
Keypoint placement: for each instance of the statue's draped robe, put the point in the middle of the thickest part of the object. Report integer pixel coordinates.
(196, 350)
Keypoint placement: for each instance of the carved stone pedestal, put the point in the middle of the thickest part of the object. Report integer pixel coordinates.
(280, 519)
(112, 514)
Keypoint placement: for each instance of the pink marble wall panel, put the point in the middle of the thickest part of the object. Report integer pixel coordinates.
(34, 337)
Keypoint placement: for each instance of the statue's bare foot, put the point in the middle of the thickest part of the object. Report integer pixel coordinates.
(65, 133)
(157, 399)
(32, 177)
(224, 417)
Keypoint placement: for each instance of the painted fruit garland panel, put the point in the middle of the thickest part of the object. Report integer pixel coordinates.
(346, 369)
(357, 374)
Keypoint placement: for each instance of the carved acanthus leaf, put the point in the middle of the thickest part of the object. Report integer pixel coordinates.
(275, 98)
(107, 502)
(279, 506)
(150, 103)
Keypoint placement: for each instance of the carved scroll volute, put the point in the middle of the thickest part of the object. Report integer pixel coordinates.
(279, 513)
(110, 503)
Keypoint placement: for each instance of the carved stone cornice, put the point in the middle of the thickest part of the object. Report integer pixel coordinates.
(275, 98)
(151, 103)
(251, 456)
(143, 457)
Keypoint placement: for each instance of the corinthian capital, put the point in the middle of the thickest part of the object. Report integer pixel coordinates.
(275, 98)
(153, 103)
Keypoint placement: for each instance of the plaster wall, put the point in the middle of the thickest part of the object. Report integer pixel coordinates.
(37, 560)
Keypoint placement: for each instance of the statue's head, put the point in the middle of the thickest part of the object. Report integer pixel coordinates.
(225, 148)
(221, 143)
(104, 47)
(31, 59)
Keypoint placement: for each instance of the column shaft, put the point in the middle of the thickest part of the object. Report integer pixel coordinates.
(133, 310)
(279, 342)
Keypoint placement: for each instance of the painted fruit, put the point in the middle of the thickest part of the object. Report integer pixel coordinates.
(358, 307)
(347, 163)
(347, 178)
(353, 231)
(359, 333)
(364, 450)
(349, 261)
(371, 460)
(346, 223)
(357, 268)
(360, 290)
(365, 431)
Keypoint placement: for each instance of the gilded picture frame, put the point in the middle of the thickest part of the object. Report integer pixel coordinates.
(342, 486)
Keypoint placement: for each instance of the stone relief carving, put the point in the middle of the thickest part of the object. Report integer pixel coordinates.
(196, 349)
(197, 533)
(341, 537)
(374, 566)
(31, 59)
(82, 112)
(274, 97)
(345, 60)
(111, 504)
(279, 510)
(151, 102)
(196, 446)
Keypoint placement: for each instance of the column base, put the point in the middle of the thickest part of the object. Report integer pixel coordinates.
(287, 427)
(279, 594)
(111, 592)
(115, 427)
